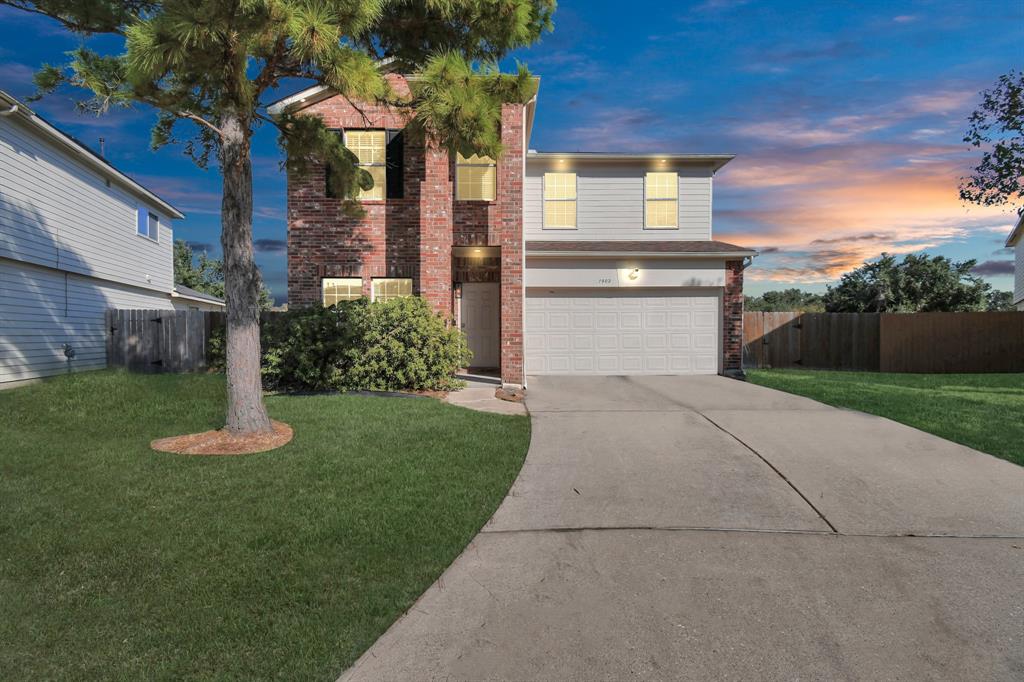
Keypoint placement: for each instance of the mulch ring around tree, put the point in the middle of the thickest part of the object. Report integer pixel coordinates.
(223, 442)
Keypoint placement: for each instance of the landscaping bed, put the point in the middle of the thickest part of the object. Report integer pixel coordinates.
(982, 411)
(120, 562)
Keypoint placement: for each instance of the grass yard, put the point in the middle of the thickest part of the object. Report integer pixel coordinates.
(122, 563)
(982, 411)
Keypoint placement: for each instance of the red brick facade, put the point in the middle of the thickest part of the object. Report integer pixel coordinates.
(732, 317)
(411, 237)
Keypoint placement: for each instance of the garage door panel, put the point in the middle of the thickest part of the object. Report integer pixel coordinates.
(622, 331)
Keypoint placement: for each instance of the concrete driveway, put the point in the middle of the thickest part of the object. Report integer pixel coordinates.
(705, 528)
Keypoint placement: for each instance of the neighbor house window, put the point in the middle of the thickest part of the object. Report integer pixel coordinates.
(370, 147)
(560, 201)
(388, 288)
(475, 178)
(148, 224)
(662, 200)
(338, 289)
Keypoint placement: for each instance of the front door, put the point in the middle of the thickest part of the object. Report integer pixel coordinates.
(481, 321)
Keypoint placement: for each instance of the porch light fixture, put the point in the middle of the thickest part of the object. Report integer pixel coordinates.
(634, 274)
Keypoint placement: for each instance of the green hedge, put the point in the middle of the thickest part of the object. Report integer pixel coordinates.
(401, 344)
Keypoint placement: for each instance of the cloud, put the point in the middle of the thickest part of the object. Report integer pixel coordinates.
(869, 237)
(619, 129)
(905, 18)
(993, 267)
(780, 60)
(199, 247)
(270, 245)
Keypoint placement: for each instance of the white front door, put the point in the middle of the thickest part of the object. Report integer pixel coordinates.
(622, 331)
(481, 321)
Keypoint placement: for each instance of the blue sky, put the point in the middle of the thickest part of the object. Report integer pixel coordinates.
(847, 119)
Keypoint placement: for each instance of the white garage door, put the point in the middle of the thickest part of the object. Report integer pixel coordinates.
(622, 331)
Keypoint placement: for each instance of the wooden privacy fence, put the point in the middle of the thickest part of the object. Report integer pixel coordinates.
(159, 340)
(889, 342)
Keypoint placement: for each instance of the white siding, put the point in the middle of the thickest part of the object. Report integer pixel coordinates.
(610, 202)
(54, 211)
(41, 309)
(1018, 274)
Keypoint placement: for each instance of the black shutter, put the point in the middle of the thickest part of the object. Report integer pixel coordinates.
(328, 191)
(395, 159)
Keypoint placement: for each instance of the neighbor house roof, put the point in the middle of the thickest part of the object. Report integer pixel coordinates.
(715, 160)
(695, 249)
(81, 152)
(1017, 232)
(182, 291)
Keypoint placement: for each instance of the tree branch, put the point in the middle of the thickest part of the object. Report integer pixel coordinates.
(198, 119)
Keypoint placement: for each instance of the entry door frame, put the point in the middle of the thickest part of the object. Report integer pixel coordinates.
(482, 335)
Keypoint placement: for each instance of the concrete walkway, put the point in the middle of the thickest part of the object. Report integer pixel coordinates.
(705, 528)
(479, 395)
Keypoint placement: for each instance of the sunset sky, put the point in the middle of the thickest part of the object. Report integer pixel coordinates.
(847, 119)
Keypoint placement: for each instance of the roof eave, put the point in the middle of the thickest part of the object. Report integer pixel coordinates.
(715, 160)
(1017, 232)
(639, 254)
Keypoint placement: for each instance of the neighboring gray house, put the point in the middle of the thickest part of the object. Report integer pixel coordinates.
(1016, 241)
(186, 298)
(77, 237)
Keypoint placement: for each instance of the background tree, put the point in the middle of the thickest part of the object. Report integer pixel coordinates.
(998, 126)
(921, 283)
(213, 63)
(206, 274)
(785, 301)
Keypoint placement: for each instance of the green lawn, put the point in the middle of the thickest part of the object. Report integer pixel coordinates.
(121, 563)
(983, 411)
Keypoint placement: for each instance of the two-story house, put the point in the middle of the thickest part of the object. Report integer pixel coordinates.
(77, 237)
(552, 263)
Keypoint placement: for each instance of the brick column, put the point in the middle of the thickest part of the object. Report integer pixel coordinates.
(732, 318)
(510, 233)
(435, 248)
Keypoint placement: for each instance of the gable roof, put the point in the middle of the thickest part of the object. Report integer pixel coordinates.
(81, 152)
(715, 160)
(696, 249)
(1017, 232)
(182, 291)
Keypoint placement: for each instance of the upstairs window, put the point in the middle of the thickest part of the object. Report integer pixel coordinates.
(475, 178)
(394, 167)
(370, 147)
(662, 200)
(387, 288)
(560, 201)
(148, 224)
(338, 289)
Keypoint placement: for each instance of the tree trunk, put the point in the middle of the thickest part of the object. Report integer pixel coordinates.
(246, 413)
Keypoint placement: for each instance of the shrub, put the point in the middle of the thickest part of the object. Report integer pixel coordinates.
(401, 344)
(306, 349)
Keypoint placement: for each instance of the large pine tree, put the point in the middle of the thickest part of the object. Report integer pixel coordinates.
(211, 63)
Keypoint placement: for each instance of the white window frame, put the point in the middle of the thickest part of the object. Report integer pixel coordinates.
(350, 280)
(383, 185)
(463, 162)
(573, 200)
(648, 199)
(147, 224)
(374, 296)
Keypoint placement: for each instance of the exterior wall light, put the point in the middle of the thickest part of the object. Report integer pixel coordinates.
(634, 274)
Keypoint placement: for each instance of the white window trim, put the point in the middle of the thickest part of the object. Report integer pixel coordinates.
(493, 164)
(374, 280)
(544, 200)
(323, 290)
(383, 164)
(646, 199)
(144, 212)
